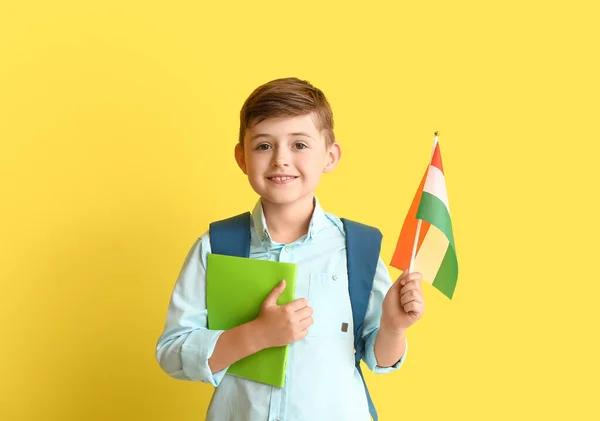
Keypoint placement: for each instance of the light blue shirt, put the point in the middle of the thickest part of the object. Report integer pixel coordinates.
(321, 381)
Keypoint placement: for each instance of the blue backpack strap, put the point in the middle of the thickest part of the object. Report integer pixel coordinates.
(231, 236)
(363, 244)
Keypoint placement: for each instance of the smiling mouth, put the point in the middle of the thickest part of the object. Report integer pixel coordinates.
(282, 179)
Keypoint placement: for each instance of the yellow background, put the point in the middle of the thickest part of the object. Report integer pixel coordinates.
(117, 127)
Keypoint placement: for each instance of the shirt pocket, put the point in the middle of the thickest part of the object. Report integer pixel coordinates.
(332, 312)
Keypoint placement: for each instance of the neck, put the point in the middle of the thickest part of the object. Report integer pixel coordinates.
(288, 222)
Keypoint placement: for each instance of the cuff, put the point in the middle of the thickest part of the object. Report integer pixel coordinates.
(195, 352)
(371, 361)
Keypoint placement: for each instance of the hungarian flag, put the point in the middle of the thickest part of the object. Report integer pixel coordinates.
(435, 256)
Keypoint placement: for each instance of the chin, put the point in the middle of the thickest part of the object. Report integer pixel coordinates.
(283, 199)
(279, 200)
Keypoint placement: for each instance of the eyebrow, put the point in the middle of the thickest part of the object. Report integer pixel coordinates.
(256, 136)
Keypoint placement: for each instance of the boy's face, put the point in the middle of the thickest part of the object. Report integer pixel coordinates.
(284, 158)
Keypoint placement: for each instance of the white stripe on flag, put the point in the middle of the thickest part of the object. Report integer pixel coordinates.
(436, 185)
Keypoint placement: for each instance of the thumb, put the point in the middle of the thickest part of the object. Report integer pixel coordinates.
(271, 299)
(403, 276)
(399, 283)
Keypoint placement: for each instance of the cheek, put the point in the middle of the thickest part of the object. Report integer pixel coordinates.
(314, 171)
(317, 164)
(254, 175)
(255, 166)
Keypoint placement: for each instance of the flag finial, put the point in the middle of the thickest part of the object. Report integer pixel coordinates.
(437, 133)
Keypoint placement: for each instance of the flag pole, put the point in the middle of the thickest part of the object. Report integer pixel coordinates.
(414, 250)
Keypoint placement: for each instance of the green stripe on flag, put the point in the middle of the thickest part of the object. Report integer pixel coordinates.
(434, 211)
(445, 279)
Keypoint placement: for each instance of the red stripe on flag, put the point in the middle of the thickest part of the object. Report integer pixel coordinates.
(436, 159)
(404, 246)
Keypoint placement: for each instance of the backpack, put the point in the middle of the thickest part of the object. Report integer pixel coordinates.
(363, 243)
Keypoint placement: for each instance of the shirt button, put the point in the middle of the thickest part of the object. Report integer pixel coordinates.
(334, 277)
(287, 248)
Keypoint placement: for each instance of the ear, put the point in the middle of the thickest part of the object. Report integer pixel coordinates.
(334, 154)
(240, 158)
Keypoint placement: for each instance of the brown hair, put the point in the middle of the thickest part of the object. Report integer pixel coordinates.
(287, 97)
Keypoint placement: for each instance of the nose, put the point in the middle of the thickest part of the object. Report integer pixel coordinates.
(281, 157)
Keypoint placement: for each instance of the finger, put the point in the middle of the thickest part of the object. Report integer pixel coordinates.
(298, 304)
(304, 313)
(306, 323)
(414, 276)
(413, 306)
(413, 285)
(410, 296)
(271, 299)
(303, 334)
(403, 276)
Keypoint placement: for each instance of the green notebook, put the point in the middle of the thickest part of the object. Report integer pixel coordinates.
(236, 287)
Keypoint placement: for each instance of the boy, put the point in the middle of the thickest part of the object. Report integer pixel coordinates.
(286, 142)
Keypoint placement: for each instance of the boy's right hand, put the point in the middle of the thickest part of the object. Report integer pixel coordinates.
(282, 325)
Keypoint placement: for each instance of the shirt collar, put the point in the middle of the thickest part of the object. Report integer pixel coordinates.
(317, 221)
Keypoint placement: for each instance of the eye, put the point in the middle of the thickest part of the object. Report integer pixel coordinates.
(300, 145)
(263, 147)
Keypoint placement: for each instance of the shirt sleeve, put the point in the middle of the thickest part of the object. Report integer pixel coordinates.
(186, 344)
(381, 284)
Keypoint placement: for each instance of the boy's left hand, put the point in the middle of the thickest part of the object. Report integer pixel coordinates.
(403, 304)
